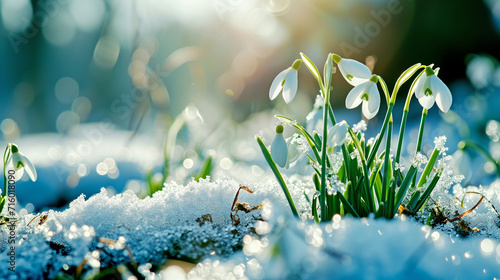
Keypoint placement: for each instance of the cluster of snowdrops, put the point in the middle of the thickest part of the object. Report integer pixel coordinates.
(350, 175)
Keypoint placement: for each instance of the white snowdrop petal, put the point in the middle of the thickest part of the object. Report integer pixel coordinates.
(354, 71)
(427, 101)
(418, 86)
(354, 97)
(290, 86)
(30, 169)
(373, 100)
(19, 172)
(277, 84)
(293, 152)
(339, 132)
(279, 150)
(442, 93)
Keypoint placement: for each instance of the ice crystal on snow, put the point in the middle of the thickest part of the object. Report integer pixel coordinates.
(418, 160)
(359, 127)
(439, 143)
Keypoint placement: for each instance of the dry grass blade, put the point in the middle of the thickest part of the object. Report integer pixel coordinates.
(43, 218)
(466, 212)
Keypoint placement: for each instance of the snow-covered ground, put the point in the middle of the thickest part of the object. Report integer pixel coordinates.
(275, 245)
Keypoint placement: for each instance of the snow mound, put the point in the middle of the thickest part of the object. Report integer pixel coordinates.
(167, 225)
(356, 249)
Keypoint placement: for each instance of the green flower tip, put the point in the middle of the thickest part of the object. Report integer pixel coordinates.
(374, 78)
(429, 71)
(296, 64)
(279, 129)
(14, 148)
(461, 145)
(336, 58)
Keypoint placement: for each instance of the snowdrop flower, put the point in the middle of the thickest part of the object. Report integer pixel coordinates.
(293, 150)
(354, 72)
(366, 93)
(286, 81)
(279, 147)
(430, 89)
(20, 163)
(337, 134)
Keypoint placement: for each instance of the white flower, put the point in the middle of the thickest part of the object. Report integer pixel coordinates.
(293, 144)
(354, 72)
(279, 148)
(286, 81)
(366, 93)
(430, 89)
(19, 163)
(337, 134)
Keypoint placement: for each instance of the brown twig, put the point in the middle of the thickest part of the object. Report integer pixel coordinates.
(466, 212)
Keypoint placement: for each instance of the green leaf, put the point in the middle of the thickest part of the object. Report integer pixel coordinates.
(428, 168)
(317, 140)
(315, 209)
(413, 200)
(406, 75)
(327, 72)
(316, 181)
(206, 169)
(348, 207)
(2, 203)
(277, 173)
(312, 68)
(404, 187)
(426, 194)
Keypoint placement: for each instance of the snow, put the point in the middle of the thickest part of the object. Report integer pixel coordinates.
(156, 228)
(164, 226)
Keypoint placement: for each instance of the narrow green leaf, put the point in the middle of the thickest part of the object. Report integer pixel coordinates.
(327, 72)
(315, 209)
(2, 203)
(404, 186)
(316, 181)
(312, 68)
(427, 193)
(317, 140)
(277, 174)
(428, 168)
(406, 75)
(348, 207)
(413, 200)
(206, 169)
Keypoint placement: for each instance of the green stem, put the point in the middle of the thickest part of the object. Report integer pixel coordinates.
(366, 179)
(277, 173)
(374, 150)
(324, 212)
(401, 135)
(6, 156)
(428, 168)
(421, 131)
(386, 180)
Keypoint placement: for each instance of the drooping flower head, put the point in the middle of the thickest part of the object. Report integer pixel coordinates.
(354, 72)
(286, 81)
(430, 89)
(20, 163)
(279, 148)
(366, 93)
(365, 85)
(337, 134)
